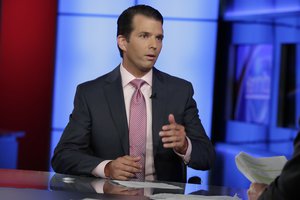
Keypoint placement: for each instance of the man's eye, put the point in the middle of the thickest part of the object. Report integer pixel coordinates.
(159, 38)
(144, 36)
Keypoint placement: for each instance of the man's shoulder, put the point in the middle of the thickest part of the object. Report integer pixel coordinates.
(171, 79)
(99, 81)
(90, 83)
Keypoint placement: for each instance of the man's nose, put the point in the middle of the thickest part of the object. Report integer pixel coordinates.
(153, 43)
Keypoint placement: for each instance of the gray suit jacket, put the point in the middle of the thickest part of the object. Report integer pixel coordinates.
(98, 128)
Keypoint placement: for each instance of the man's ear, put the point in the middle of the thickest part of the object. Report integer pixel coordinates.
(122, 42)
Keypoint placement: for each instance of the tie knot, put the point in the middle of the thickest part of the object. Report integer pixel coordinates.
(137, 83)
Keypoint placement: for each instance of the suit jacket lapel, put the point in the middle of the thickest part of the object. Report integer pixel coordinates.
(115, 99)
(158, 107)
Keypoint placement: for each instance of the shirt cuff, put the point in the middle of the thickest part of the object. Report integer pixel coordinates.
(99, 170)
(186, 158)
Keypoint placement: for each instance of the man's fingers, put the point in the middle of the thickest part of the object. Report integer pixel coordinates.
(131, 158)
(172, 141)
(124, 175)
(129, 164)
(131, 169)
(176, 127)
(166, 133)
(124, 167)
(171, 145)
(173, 135)
(173, 138)
(121, 174)
(170, 127)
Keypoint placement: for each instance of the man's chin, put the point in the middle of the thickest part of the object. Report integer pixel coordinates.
(146, 69)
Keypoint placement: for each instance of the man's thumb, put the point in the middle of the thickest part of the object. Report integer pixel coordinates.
(172, 119)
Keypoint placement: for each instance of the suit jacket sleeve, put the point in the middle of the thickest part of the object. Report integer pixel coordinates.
(286, 186)
(73, 154)
(203, 153)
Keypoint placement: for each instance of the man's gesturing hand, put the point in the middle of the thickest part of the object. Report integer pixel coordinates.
(173, 136)
(123, 168)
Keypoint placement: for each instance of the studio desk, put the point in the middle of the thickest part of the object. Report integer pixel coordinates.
(26, 184)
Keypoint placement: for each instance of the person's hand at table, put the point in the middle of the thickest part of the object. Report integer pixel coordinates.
(255, 190)
(173, 136)
(123, 168)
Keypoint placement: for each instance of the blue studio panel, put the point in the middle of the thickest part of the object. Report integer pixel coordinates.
(96, 7)
(87, 48)
(192, 9)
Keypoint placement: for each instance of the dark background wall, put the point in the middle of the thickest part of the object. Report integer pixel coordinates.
(28, 30)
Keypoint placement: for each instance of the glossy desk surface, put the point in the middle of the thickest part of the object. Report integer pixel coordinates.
(25, 184)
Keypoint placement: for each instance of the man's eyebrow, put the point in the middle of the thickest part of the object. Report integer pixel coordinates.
(144, 32)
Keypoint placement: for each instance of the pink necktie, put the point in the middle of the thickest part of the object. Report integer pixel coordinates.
(138, 125)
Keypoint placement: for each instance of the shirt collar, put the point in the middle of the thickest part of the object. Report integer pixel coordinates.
(127, 77)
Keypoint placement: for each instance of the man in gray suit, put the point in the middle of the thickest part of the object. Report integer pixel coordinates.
(96, 140)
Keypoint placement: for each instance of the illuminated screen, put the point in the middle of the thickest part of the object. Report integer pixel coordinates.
(252, 87)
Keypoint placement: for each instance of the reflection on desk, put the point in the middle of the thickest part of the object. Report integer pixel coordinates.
(48, 185)
(97, 185)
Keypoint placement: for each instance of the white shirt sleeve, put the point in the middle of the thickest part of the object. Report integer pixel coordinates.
(99, 170)
(186, 158)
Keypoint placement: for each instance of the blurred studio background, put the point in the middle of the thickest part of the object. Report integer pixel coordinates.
(243, 58)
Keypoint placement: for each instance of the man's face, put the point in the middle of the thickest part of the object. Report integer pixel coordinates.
(142, 49)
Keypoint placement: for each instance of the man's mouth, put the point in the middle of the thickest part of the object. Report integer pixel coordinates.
(150, 56)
